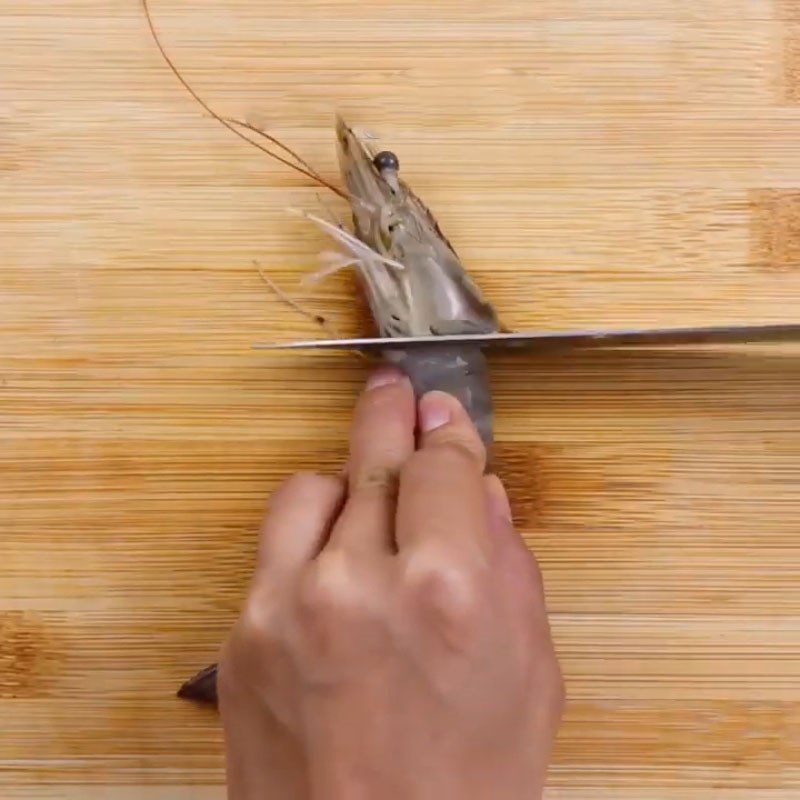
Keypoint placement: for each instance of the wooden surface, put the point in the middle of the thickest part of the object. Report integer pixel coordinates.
(596, 162)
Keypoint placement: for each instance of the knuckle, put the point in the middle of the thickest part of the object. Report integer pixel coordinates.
(257, 622)
(445, 594)
(331, 611)
(328, 593)
(458, 438)
(375, 478)
(257, 631)
(253, 648)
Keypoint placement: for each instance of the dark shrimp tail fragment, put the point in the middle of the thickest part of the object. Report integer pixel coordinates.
(201, 687)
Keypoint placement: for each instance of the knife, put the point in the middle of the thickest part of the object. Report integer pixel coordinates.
(534, 340)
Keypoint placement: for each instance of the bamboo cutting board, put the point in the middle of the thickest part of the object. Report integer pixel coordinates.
(595, 162)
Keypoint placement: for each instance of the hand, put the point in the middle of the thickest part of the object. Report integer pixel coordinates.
(395, 642)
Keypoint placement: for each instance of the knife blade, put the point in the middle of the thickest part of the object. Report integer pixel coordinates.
(623, 337)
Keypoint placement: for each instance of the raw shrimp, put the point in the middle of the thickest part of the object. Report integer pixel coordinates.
(412, 277)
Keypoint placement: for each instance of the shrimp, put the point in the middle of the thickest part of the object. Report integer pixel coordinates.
(429, 293)
(413, 280)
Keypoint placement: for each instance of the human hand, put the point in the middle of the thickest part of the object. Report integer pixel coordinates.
(395, 642)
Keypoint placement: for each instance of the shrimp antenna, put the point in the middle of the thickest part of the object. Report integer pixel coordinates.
(270, 138)
(232, 126)
(287, 299)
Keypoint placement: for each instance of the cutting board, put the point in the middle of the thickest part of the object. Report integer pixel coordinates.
(595, 163)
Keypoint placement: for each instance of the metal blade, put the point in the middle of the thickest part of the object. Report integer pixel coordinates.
(710, 334)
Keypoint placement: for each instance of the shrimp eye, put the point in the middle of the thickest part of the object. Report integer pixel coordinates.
(386, 160)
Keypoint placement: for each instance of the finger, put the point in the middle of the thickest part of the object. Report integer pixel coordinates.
(444, 421)
(521, 574)
(299, 518)
(442, 503)
(381, 441)
(442, 500)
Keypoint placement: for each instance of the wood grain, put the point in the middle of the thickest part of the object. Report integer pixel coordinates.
(596, 162)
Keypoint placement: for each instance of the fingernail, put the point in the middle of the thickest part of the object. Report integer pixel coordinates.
(384, 376)
(499, 503)
(434, 411)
